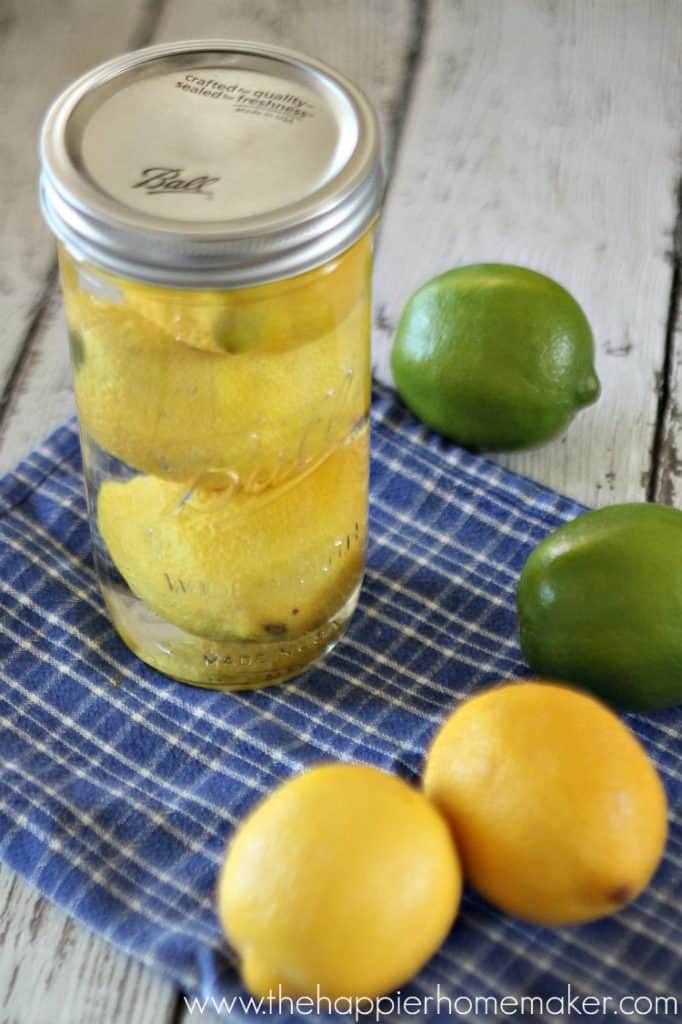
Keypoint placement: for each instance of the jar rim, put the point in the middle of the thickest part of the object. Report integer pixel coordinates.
(320, 128)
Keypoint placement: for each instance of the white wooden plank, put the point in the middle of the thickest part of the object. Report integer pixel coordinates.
(43, 46)
(53, 971)
(548, 135)
(43, 397)
(43, 394)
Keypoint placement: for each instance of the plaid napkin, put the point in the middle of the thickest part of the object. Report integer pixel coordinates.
(119, 788)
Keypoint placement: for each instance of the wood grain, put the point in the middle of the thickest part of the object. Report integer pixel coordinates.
(547, 134)
(53, 971)
(42, 396)
(668, 477)
(42, 48)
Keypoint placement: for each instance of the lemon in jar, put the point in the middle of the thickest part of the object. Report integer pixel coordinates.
(222, 565)
(182, 414)
(272, 317)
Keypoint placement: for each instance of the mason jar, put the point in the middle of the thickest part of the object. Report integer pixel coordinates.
(214, 203)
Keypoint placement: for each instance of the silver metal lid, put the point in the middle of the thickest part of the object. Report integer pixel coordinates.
(210, 163)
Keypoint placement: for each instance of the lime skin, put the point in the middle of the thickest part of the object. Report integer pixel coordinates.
(600, 605)
(494, 356)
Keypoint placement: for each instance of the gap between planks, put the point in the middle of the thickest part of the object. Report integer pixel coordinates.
(666, 460)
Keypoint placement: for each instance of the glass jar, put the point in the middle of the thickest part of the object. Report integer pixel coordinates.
(215, 205)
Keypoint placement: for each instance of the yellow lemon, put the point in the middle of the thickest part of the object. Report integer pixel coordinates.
(270, 565)
(558, 813)
(344, 878)
(182, 414)
(271, 317)
(175, 411)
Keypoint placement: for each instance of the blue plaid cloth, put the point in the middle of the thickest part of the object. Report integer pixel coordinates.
(120, 788)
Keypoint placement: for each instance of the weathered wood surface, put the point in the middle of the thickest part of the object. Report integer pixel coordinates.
(548, 134)
(42, 48)
(53, 970)
(536, 132)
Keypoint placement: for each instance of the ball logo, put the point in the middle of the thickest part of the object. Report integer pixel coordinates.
(159, 181)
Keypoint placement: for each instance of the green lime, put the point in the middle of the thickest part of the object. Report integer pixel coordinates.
(494, 356)
(600, 605)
